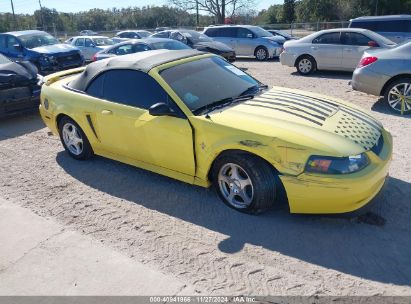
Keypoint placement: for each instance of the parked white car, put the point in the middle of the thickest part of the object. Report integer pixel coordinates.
(90, 45)
(337, 49)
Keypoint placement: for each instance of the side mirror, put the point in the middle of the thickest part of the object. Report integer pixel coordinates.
(249, 35)
(17, 47)
(373, 44)
(161, 109)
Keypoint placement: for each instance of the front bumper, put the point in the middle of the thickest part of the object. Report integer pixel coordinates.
(367, 81)
(287, 59)
(323, 194)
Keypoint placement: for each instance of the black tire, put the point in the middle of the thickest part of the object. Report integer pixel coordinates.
(261, 53)
(397, 107)
(86, 150)
(305, 65)
(263, 178)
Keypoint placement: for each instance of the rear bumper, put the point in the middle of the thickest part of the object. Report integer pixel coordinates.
(367, 81)
(322, 194)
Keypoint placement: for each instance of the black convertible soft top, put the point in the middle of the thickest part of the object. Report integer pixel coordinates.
(143, 61)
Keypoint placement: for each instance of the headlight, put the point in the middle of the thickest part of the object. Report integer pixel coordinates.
(336, 165)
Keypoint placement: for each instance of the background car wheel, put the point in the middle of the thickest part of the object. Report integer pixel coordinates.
(74, 140)
(306, 65)
(245, 182)
(261, 53)
(398, 96)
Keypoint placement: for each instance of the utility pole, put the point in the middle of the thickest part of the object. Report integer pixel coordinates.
(376, 8)
(223, 11)
(197, 15)
(41, 15)
(14, 16)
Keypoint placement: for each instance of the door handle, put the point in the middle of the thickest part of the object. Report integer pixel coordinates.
(106, 112)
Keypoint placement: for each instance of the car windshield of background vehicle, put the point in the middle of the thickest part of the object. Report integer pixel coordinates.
(102, 41)
(260, 32)
(4, 59)
(170, 45)
(203, 82)
(37, 40)
(196, 37)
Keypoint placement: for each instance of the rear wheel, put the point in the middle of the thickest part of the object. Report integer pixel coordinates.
(74, 140)
(398, 95)
(306, 65)
(245, 182)
(261, 53)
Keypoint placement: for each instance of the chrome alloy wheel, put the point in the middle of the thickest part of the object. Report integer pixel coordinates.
(235, 185)
(261, 54)
(72, 139)
(399, 97)
(305, 66)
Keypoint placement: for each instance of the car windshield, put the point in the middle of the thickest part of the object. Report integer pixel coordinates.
(4, 59)
(196, 37)
(170, 45)
(102, 41)
(32, 41)
(203, 82)
(144, 34)
(260, 32)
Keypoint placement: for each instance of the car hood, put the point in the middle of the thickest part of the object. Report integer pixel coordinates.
(213, 45)
(55, 49)
(277, 39)
(310, 119)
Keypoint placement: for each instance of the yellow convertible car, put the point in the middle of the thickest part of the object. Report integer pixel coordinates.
(195, 117)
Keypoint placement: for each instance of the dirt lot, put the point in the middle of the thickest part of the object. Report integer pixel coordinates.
(187, 232)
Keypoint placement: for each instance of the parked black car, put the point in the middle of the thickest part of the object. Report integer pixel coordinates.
(42, 49)
(199, 41)
(19, 90)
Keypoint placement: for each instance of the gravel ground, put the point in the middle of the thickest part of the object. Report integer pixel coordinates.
(187, 232)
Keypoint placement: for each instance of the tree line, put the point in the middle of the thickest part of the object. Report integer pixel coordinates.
(330, 10)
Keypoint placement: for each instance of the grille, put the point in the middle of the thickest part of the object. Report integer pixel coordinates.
(68, 58)
(358, 131)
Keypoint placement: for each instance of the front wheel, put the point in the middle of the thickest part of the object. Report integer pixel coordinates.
(245, 182)
(74, 140)
(261, 53)
(306, 65)
(398, 96)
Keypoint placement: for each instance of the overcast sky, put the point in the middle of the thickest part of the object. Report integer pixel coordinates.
(29, 6)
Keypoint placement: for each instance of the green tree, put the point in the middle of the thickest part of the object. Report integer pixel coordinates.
(288, 11)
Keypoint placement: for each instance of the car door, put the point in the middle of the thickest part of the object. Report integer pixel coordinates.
(226, 35)
(125, 127)
(245, 42)
(13, 52)
(79, 43)
(327, 51)
(90, 48)
(354, 46)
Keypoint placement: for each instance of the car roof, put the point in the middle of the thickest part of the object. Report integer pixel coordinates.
(147, 40)
(142, 61)
(22, 33)
(382, 18)
(345, 29)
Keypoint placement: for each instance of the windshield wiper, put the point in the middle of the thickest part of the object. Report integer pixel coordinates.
(255, 88)
(222, 104)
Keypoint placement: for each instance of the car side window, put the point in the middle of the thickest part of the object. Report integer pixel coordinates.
(227, 32)
(141, 47)
(95, 88)
(243, 33)
(328, 38)
(88, 42)
(124, 49)
(162, 35)
(211, 32)
(79, 42)
(3, 42)
(355, 39)
(132, 88)
(11, 41)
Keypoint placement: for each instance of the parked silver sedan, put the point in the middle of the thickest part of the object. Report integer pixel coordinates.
(90, 45)
(386, 73)
(337, 49)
